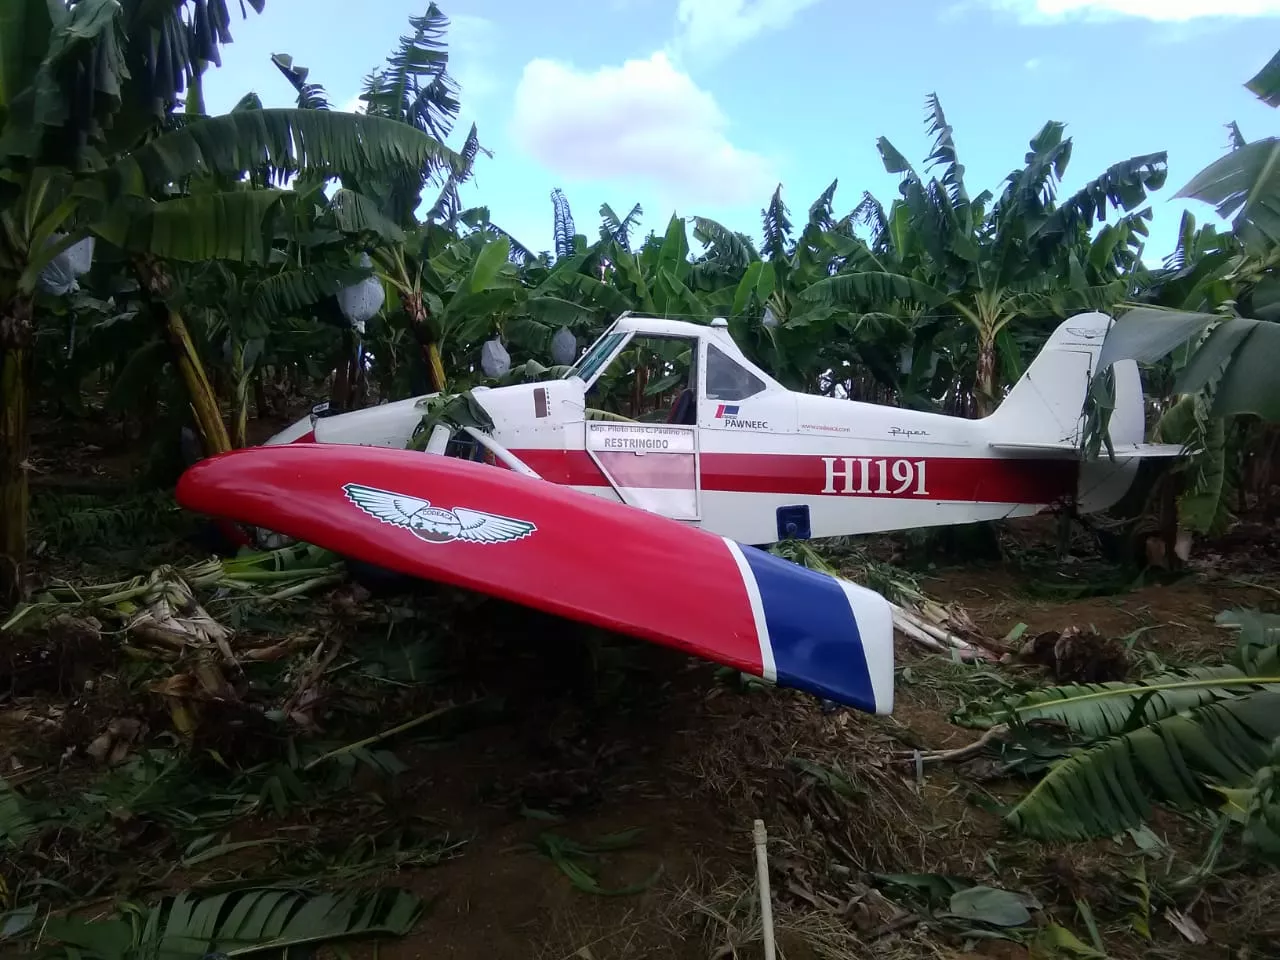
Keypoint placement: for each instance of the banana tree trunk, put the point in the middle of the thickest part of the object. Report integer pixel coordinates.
(985, 377)
(435, 367)
(416, 310)
(343, 394)
(15, 338)
(240, 410)
(359, 379)
(1169, 518)
(204, 401)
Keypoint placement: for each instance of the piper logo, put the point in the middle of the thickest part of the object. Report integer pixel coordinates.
(726, 411)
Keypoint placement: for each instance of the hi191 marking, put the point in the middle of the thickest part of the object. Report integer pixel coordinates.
(873, 476)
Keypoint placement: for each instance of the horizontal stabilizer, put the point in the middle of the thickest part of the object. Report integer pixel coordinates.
(1123, 451)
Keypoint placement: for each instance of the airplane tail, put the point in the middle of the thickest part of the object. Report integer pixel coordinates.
(1045, 408)
(1043, 415)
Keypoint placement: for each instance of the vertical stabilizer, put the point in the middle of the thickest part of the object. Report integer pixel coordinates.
(1046, 406)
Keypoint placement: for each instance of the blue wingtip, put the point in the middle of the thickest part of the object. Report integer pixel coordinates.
(829, 637)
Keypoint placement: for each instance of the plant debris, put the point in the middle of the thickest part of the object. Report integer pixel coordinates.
(228, 740)
(1074, 655)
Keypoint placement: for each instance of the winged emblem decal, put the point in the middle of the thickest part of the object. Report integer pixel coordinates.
(1086, 332)
(436, 524)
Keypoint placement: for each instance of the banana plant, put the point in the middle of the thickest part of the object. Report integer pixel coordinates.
(1221, 292)
(140, 198)
(1183, 739)
(618, 229)
(486, 292)
(1002, 259)
(77, 82)
(1203, 340)
(238, 224)
(1244, 185)
(814, 309)
(1212, 319)
(412, 88)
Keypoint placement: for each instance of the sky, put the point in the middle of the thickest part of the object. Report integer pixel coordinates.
(702, 107)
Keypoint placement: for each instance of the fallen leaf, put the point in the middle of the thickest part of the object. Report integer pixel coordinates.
(1185, 926)
(1002, 908)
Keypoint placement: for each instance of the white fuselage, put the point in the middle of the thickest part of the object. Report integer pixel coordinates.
(774, 463)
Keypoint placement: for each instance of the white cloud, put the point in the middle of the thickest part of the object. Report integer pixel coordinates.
(472, 40)
(708, 29)
(354, 105)
(644, 121)
(1032, 64)
(1163, 11)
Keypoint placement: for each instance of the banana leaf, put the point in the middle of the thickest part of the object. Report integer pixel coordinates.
(240, 923)
(1098, 710)
(1115, 784)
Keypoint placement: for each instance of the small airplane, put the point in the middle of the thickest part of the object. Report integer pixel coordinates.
(733, 459)
(712, 441)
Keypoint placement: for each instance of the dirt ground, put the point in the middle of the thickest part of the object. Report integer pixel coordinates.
(690, 759)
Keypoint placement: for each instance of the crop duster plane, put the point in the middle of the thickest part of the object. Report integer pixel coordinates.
(642, 520)
(737, 453)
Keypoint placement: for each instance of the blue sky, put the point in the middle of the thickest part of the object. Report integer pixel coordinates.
(701, 107)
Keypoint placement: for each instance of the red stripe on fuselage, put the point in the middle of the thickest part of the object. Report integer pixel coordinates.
(982, 479)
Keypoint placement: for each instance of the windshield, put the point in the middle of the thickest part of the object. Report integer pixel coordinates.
(586, 368)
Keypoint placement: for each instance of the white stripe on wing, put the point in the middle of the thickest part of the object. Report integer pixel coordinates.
(770, 669)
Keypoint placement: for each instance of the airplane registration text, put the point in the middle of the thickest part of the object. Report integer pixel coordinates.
(870, 476)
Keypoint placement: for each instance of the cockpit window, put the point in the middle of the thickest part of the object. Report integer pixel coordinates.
(727, 379)
(651, 380)
(586, 367)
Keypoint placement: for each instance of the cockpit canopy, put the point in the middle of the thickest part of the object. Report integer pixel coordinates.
(649, 369)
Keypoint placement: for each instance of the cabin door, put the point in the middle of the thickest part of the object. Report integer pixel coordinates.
(643, 432)
(650, 465)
